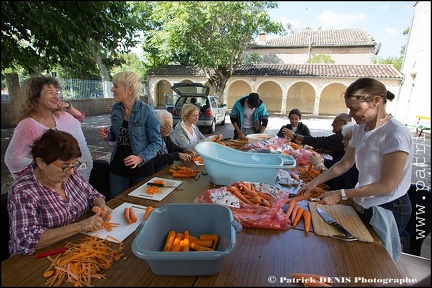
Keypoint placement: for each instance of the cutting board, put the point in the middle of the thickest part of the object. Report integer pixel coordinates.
(163, 191)
(124, 230)
(344, 215)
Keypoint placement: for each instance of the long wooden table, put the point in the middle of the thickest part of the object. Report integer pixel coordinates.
(261, 257)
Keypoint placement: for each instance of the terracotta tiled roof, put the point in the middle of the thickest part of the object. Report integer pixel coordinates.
(386, 71)
(322, 38)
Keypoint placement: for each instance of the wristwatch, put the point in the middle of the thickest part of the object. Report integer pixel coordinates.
(295, 136)
(68, 107)
(344, 197)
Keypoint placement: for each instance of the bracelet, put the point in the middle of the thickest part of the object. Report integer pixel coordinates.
(69, 107)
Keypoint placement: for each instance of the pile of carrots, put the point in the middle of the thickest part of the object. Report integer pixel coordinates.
(82, 262)
(198, 159)
(130, 215)
(184, 242)
(295, 213)
(152, 189)
(183, 172)
(247, 194)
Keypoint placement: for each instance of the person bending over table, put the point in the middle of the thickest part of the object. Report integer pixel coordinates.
(331, 144)
(46, 200)
(170, 152)
(347, 180)
(382, 148)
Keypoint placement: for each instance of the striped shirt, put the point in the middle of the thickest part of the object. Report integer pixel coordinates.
(34, 208)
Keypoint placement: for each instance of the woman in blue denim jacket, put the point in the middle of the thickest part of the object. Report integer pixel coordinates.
(134, 133)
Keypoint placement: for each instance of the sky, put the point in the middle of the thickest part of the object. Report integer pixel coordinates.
(385, 21)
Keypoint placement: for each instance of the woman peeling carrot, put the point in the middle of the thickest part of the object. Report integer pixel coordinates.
(47, 199)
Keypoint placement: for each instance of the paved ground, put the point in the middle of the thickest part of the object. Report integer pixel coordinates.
(319, 126)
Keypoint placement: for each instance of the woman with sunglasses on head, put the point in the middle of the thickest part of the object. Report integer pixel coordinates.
(47, 199)
(37, 109)
(382, 149)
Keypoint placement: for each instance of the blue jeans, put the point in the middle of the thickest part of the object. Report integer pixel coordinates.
(119, 184)
(401, 209)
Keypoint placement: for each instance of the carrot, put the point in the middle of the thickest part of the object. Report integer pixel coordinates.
(169, 240)
(98, 211)
(299, 198)
(294, 177)
(263, 195)
(298, 216)
(147, 212)
(213, 237)
(180, 175)
(159, 181)
(294, 212)
(247, 190)
(239, 195)
(175, 248)
(178, 238)
(132, 215)
(290, 208)
(207, 243)
(307, 220)
(197, 247)
(127, 215)
(185, 247)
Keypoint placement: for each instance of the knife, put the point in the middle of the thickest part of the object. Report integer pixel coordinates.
(331, 221)
(160, 185)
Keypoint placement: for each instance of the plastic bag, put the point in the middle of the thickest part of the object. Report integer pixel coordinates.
(251, 216)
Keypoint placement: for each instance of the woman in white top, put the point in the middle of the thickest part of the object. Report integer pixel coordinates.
(382, 149)
(186, 133)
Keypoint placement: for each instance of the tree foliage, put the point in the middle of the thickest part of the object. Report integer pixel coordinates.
(211, 35)
(79, 36)
(321, 58)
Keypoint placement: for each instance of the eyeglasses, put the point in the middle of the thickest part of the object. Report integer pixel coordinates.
(66, 169)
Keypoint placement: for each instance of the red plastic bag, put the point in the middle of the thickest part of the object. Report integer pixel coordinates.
(251, 216)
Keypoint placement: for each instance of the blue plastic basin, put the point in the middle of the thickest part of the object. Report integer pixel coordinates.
(226, 165)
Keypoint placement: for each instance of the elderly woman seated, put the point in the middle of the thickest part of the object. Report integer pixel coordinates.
(46, 201)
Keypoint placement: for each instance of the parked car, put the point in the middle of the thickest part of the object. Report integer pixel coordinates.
(212, 111)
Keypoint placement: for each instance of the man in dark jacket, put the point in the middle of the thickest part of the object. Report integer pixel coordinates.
(331, 144)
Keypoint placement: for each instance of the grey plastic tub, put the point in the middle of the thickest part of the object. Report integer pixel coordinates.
(197, 219)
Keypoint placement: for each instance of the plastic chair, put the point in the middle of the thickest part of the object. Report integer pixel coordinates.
(99, 177)
(5, 228)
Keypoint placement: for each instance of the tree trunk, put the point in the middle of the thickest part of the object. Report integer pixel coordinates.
(13, 85)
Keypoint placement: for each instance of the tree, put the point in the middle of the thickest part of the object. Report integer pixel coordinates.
(82, 37)
(320, 58)
(396, 61)
(211, 35)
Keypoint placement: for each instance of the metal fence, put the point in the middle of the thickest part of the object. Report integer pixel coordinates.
(85, 89)
(82, 89)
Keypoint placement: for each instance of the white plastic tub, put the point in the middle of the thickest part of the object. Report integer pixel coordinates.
(225, 165)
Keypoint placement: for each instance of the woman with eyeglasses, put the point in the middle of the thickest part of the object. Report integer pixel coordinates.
(37, 109)
(46, 201)
(170, 152)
